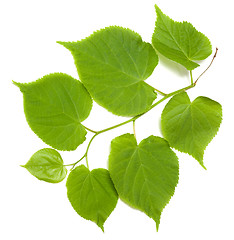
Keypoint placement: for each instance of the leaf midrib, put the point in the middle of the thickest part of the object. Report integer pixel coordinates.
(114, 67)
(174, 38)
(44, 165)
(152, 205)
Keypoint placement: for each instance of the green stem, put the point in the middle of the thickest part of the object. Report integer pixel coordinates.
(89, 129)
(87, 163)
(134, 128)
(154, 105)
(156, 90)
(74, 164)
(160, 92)
(133, 119)
(191, 76)
(86, 153)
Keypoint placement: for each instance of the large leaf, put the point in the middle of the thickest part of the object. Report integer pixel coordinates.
(92, 194)
(55, 106)
(190, 126)
(113, 64)
(180, 41)
(47, 165)
(145, 175)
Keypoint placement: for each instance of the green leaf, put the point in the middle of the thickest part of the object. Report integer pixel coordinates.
(92, 194)
(190, 126)
(113, 64)
(145, 175)
(180, 41)
(55, 106)
(47, 165)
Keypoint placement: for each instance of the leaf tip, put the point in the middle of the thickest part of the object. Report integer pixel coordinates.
(200, 160)
(157, 226)
(100, 223)
(21, 86)
(17, 84)
(157, 223)
(156, 6)
(60, 42)
(102, 228)
(203, 166)
(67, 45)
(158, 10)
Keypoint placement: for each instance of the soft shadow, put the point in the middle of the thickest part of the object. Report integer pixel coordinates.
(172, 66)
(160, 125)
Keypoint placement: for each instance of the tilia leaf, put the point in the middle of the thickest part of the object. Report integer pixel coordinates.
(145, 175)
(180, 41)
(190, 126)
(55, 106)
(112, 64)
(47, 165)
(92, 194)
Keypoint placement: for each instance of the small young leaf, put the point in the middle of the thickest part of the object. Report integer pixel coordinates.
(113, 64)
(47, 165)
(145, 175)
(55, 106)
(190, 126)
(92, 194)
(180, 41)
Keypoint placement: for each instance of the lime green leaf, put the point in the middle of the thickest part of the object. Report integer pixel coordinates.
(92, 194)
(55, 106)
(190, 126)
(47, 165)
(180, 41)
(145, 175)
(113, 64)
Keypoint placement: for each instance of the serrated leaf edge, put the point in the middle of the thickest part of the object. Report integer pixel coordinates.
(92, 220)
(157, 221)
(65, 44)
(21, 87)
(41, 179)
(179, 22)
(203, 151)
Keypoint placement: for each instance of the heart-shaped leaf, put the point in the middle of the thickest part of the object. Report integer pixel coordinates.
(113, 64)
(55, 106)
(145, 175)
(47, 165)
(92, 194)
(180, 41)
(190, 126)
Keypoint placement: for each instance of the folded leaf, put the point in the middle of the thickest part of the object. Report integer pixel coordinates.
(113, 64)
(180, 41)
(145, 175)
(92, 194)
(47, 165)
(190, 126)
(55, 106)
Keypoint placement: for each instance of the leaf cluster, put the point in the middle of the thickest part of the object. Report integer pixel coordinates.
(113, 64)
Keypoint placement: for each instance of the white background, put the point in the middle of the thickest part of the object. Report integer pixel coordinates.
(202, 207)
